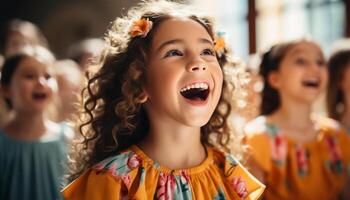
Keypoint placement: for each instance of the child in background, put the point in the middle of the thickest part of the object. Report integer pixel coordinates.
(86, 52)
(32, 148)
(296, 155)
(19, 34)
(70, 83)
(338, 91)
(157, 113)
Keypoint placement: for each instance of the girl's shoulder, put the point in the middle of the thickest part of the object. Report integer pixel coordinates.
(329, 125)
(259, 127)
(242, 181)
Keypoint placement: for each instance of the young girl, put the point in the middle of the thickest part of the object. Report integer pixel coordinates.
(296, 155)
(155, 110)
(338, 91)
(31, 147)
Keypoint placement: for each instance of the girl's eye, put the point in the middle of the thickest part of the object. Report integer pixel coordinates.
(301, 61)
(47, 76)
(29, 76)
(173, 53)
(321, 63)
(209, 52)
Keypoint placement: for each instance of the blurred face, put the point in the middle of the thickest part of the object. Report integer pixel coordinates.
(69, 85)
(302, 74)
(15, 43)
(184, 78)
(31, 87)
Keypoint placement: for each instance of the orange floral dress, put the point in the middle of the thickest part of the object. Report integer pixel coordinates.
(133, 175)
(314, 170)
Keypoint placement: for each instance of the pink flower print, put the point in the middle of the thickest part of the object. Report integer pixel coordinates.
(184, 175)
(133, 161)
(127, 180)
(301, 155)
(166, 186)
(99, 166)
(333, 148)
(124, 193)
(279, 148)
(113, 169)
(240, 187)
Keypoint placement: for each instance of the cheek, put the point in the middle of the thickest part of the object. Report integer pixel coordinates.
(25, 87)
(162, 80)
(52, 86)
(20, 91)
(217, 73)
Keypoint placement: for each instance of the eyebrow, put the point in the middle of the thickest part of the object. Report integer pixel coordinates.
(298, 51)
(174, 41)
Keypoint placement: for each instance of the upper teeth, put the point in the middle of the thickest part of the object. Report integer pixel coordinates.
(195, 85)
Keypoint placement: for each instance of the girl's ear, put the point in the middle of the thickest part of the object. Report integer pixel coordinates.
(273, 79)
(142, 98)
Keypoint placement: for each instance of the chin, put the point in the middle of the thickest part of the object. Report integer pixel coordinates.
(198, 121)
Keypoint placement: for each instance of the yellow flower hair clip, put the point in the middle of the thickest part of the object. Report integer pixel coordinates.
(220, 44)
(140, 27)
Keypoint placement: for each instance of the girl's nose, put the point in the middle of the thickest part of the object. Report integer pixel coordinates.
(316, 68)
(42, 81)
(197, 65)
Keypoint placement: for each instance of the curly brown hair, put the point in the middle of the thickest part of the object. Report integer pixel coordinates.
(113, 117)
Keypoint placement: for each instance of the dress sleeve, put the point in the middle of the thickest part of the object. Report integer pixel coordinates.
(245, 185)
(259, 150)
(94, 185)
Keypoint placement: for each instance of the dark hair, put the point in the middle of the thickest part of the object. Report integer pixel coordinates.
(113, 119)
(8, 69)
(270, 62)
(337, 64)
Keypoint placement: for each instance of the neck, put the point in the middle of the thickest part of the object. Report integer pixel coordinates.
(24, 126)
(293, 114)
(175, 147)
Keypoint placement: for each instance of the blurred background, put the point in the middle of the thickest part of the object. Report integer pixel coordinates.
(250, 25)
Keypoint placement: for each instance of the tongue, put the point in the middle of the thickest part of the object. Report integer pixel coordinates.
(309, 84)
(39, 96)
(196, 94)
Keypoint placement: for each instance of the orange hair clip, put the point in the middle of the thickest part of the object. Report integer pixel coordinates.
(220, 44)
(140, 27)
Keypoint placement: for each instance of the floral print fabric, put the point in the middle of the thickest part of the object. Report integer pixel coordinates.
(310, 170)
(133, 175)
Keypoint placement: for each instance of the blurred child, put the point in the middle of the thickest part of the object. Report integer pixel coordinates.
(32, 148)
(19, 34)
(70, 83)
(338, 91)
(157, 113)
(86, 52)
(296, 155)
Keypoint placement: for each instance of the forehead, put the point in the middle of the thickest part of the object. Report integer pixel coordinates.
(179, 28)
(305, 47)
(33, 64)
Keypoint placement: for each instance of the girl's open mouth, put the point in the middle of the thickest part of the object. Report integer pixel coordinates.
(39, 96)
(196, 92)
(311, 83)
